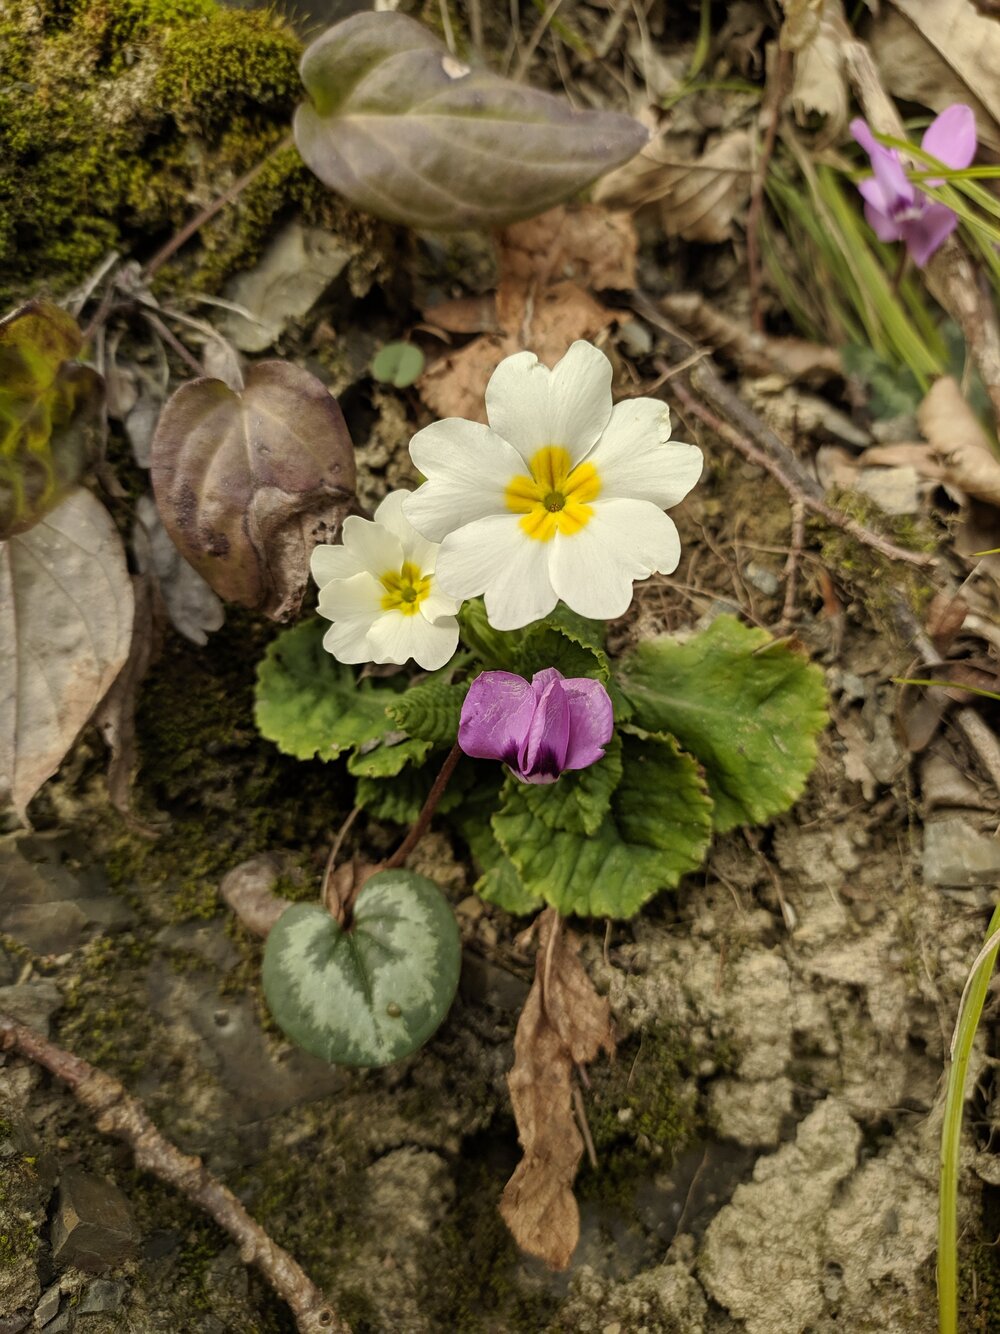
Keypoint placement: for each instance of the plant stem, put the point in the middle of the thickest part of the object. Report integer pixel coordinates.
(969, 1013)
(427, 810)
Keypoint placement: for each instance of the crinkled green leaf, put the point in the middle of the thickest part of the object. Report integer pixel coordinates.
(431, 709)
(386, 756)
(750, 708)
(657, 830)
(309, 704)
(400, 798)
(561, 640)
(409, 133)
(376, 992)
(48, 408)
(499, 881)
(577, 802)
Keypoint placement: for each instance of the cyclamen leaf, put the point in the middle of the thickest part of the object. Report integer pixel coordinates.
(407, 132)
(431, 710)
(48, 405)
(376, 992)
(312, 706)
(247, 483)
(750, 708)
(66, 609)
(657, 830)
(556, 641)
(577, 802)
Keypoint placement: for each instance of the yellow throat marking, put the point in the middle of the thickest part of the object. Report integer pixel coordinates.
(405, 589)
(555, 498)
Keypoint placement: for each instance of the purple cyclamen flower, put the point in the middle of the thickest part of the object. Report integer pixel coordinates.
(895, 207)
(539, 728)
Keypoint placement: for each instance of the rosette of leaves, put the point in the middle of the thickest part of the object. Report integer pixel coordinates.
(407, 132)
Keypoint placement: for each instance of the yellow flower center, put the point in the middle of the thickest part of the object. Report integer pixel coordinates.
(405, 589)
(554, 499)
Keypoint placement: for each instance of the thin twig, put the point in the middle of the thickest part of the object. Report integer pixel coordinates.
(581, 1119)
(832, 516)
(775, 95)
(419, 828)
(116, 1113)
(209, 211)
(191, 362)
(335, 847)
(792, 563)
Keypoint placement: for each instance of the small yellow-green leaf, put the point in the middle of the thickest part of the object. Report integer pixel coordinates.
(398, 364)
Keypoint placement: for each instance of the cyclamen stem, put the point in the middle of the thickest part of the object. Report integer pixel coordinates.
(419, 828)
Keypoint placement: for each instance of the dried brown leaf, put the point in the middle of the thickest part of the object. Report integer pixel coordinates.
(815, 30)
(945, 617)
(914, 70)
(968, 42)
(961, 446)
(564, 1022)
(698, 199)
(247, 483)
(753, 352)
(66, 611)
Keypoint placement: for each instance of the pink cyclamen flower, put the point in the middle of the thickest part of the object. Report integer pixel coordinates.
(538, 728)
(895, 207)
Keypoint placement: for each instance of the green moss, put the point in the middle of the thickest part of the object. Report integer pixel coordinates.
(120, 118)
(100, 1020)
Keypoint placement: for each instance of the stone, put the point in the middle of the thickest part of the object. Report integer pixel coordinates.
(958, 856)
(48, 1307)
(32, 1003)
(102, 1296)
(294, 272)
(93, 1228)
(49, 900)
(751, 1112)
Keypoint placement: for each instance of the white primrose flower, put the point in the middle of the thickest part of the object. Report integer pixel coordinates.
(561, 496)
(379, 589)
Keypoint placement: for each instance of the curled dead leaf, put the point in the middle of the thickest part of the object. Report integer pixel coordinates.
(961, 447)
(66, 609)
(564, 1023)
(697, 200)
(754, 352)
(247, 483)
(815, 31)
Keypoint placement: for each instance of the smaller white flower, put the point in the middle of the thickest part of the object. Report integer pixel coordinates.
(379, 590)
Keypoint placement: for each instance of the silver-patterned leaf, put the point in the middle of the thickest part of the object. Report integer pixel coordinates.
(376, 992)
(407, 132)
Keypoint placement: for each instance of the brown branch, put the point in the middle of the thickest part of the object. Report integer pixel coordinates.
(426, 811)
(116, 1113)
(795, 490)
(775, 96)
(792, 564)
(951, 274)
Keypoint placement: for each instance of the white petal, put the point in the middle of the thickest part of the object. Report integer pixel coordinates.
(493, 556)
(468, 468)
(397, 638)
(416, 549)
(636, 459)
(438, 604)
(531, 406)
(376, 548)
(329, 562)
(347, 599)
(593, 571)
(348, 640)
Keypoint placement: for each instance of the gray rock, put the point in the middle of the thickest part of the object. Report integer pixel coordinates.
(49, 899)
(101, 1296)
(957, 856)
(93, 1228)
(48, 1308)
(23, 1196)
(32, 1003)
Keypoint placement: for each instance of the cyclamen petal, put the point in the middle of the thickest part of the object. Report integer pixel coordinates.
(539, 729)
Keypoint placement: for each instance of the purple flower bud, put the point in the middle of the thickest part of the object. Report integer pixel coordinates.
(894, 206)
(539, 729)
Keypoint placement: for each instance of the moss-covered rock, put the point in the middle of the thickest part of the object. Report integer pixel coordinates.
(120, 119)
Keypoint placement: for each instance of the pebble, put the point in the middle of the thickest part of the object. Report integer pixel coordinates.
(957, 856)
(93, 1227)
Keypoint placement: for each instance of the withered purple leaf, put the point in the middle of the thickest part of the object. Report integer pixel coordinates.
(247, 483)
(409, 133)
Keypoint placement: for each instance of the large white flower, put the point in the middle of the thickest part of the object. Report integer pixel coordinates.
(561, 496)
(379, 589)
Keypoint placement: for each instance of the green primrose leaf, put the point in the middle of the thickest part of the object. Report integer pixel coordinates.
(431, 709)
(750, 708)
(409, 133)
(576, 802)
(48, 407)
(310, 705)
(376, 992)
(562, 640)
(657, 829)
(398, 364)
(400, 797)
(386, 756)
(499, 882)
